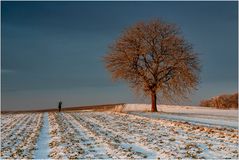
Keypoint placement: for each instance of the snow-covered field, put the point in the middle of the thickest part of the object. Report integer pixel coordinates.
(192, 114)
(19, 133)
(103, 135)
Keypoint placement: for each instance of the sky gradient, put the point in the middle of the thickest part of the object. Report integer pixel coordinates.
(53, 51)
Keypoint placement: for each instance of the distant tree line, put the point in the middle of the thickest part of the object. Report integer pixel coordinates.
(223, 101)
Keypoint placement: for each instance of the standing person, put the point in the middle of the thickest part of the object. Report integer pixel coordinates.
(59, 106)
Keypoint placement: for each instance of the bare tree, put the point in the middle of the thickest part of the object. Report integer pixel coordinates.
(224, 101)
(154, 58)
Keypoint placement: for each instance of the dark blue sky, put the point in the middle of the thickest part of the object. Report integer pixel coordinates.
(53, 50)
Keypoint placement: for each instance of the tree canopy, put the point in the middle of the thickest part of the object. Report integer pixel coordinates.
(153, 57)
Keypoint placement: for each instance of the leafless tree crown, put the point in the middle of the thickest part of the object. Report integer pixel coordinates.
(154, 57)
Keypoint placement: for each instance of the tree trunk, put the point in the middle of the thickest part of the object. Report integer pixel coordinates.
(154, 104)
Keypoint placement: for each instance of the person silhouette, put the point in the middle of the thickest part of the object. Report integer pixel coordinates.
(59, 106)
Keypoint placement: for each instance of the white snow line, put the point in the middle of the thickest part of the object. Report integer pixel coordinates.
(43, 149)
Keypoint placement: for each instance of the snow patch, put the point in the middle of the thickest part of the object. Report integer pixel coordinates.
(43, 149)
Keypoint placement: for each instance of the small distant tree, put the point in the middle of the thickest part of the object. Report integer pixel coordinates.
(224, 101)
(154, 58)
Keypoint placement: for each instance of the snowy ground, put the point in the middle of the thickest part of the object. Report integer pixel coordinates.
(103, 135)
(193, 114)
(119, 135)
(42, 147)
(19, 133)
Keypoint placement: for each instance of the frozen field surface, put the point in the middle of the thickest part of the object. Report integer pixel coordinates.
(217, 121)
(103, 135)
(42, 147)
(19, 134)
(192, 114)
